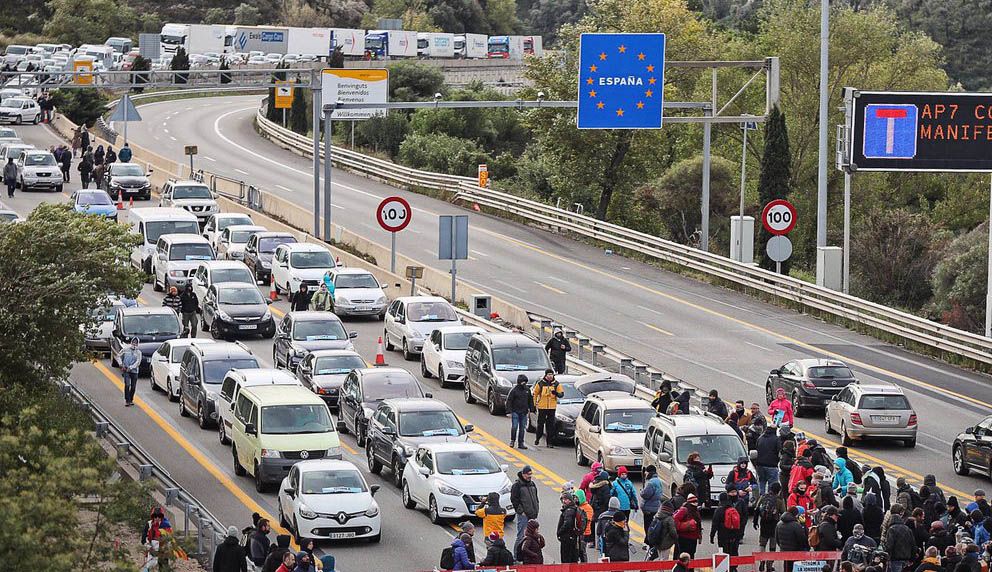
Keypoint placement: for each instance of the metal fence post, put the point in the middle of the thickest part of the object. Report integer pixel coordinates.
(596, 350)
(626, 363)
(186, 520)
(639, 371)
(199, 530)
(545, 329)
(656, 379)
(580, 342)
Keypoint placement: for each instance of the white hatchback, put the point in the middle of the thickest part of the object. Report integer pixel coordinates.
(20, 110)
(329, 499)
(410, 319)
(165, 364)
(443, 355)
(299, 263)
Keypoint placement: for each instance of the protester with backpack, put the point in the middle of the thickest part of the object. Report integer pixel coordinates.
(829, 538)
(688, 525)
(568, 529)
(585, 536)
(790, 534)
(651, 495)
(900, 544)
(662, 535)
(771, 507)
(624, 491)
(907, 496)
(727, 527)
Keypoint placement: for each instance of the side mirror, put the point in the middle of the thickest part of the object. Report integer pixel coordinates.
(428, 395)
(504, 466)
(251, 429)
(469, 428)
(290, 491)
(970, 430)
(775, 372)
(283, 336)
(388, 431)
(400, 320)
(485, 367)
(424, 471)
(595, 429)
(150, 170)
(268, 301)
(373, 489)
(665, 457)
(352, 335)
(836, 397)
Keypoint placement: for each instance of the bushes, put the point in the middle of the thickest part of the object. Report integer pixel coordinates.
(80, 105)
(959, 281)
(383, 134)
(443, 153)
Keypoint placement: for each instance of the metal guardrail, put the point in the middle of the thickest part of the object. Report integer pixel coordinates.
(902, 325)
(209, 530)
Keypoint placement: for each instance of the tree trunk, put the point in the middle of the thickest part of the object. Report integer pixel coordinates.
(610, 175)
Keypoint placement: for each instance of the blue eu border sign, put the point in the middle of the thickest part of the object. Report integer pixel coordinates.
(621, 81)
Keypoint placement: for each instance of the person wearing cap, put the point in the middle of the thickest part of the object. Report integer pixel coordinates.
(524, 498)
(492, 514)
(830, 538)
(230, 556)
(979, 503)
(663, 397)
(689, 526)
(173, 301)
(616, 539)
(547, 391)
(467, 535)
(568, 536)
(715, 405)
(518, 404)
(130, 360)
(558, 349)
(858, 537)
(497, 554)
(682, 564)
(304, 562)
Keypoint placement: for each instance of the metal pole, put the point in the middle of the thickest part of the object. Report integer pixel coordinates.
(392, 255)
(327, 177)
(284, 117)
(190, 165)
(454, 272)
(778, 268)
(316, 161)
(988, 287)
(821, 173)
(127, 102)
(847, 231)
(352, 134)
(704, 240)
(740, 221)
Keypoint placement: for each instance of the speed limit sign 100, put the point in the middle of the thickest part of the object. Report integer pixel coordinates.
(393, 214)
(779, 217)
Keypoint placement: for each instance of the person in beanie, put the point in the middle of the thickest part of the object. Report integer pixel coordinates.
(304, 563)
(715, 405)
(689, 525)
(230, 556)
(616, 539)
(492, 515)
(497, 554)
(523, 497)
(770, 509)
(623, 490)
(781, 409)
(858, 537)
(558, 348)
(589, 477)
(519, 403)
(651, 495)
(189, 304)
(667, 536)
(547, 392)
(532, 544)
(727, 527)
(300, 300)
(173, 301)
(467, 534)
(568, 538)
(601, 494)
(604, 519)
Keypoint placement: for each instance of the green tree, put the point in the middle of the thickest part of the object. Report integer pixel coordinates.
(414, 81)
(383, 134)
(458, 16)
(216, 15)
(959, 281)
(180, 61)
(547, 16)
(502, 17)
(149, 23)
(299, 114)
(303, 14)
(81, 106)
(140, 64)
(773, 183)
(442, 153)
(88, 21)
(247, 15)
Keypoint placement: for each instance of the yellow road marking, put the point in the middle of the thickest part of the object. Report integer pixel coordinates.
(347, 448)
(739, 321)
(656, 328)
(552, 288)
(142, 301)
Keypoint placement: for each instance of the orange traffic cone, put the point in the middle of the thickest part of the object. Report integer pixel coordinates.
(120, 203)
(380, 357)
(130, 203)
(273, 295)
(476, 208)
(337, 261)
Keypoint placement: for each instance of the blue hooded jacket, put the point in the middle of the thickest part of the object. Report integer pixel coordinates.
(843, 475)
(624, 492)
(461, 556)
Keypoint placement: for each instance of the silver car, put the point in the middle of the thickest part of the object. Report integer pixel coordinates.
(863, 411)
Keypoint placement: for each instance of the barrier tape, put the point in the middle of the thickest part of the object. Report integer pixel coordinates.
(661, 565)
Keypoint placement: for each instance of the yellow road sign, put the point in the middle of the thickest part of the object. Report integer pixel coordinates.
(284, 94)
(83, 78)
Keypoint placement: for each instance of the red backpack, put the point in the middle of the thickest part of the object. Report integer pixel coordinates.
(731, 519)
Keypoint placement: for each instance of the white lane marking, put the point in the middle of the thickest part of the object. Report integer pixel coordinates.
(165, 130)
(477, 253)
(556, 279)
(757, 346)
(339, 207)
(190, 108)
(508, 285)
(210, 159)
(287, 189)
(171, 137)
(242, 172)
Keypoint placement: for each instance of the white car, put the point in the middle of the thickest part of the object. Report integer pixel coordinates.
(273, 58)
(329, 499)
(176, 258)
(37, 169)
(19, 110)
(9, 215)
(213, 272)
(300, 263)
(443, 355)
(192, 196)
(257, 60)
(165, 364)
(231, 243)
(218, 222)
(357, 293)
(451, 479)
(410, 319)
(13, 151)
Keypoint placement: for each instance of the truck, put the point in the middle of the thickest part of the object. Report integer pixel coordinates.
(390, 44)
(173, 36)
(204, 39)
(119, 44)
(315, 41)
(435, 45)
(104, 55)
(515, 47)
(265, 39)
(350, 40)
(471, 46)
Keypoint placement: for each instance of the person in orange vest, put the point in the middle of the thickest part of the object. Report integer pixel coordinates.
(546, 395)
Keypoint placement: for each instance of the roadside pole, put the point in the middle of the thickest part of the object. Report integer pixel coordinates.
(316, 161)
(847, 230)
(327, 177)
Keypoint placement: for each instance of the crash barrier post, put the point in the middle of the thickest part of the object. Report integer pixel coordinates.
(700, 564)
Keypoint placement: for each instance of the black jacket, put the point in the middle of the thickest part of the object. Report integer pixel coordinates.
(300, 301)
(725, 537)
(829, 536)
(189, 302)
(566, 524)
(790, 535)
(523, 497)
(899, 540)
(554, 347)
(259, 546)
(519, 399)
(230, 557)
(599, 491)
(717, 407)
(768, 447)
(662, 402)
(616, 543)
(66, 160)
(498, 555)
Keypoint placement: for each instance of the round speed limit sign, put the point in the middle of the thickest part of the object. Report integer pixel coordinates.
(393, 214)
(779, 217)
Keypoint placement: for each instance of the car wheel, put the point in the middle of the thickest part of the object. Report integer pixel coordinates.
(359, 433)
(441, 380)
(19, 120)
(911, 443)
(182, 407)
(385, 340)
(215, 333)
(797, 408)
(423, 367)
(113, 358)
(222, 433)
(468, 393)
(260, 485)
(375, 539)
(407, 354)
(168, 389)
(201, 417)
(238, 469)
(580, 459)
(769, 397)
(375, 467)
(155, 284)
(151, 382)
(37, 118)
(845, 439)
(204, 327)
(599, 457)
(957, 459)
(494, 409)
(826, 423)
(58, 189)
(382, 316)
(432, 512)
(282, 517)
(397, 472)
(408, 501)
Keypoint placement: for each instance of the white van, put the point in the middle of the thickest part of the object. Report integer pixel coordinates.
(151, 223)
(234, 381)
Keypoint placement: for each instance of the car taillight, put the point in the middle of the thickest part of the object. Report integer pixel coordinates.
(808, 384)
(912, 419)
(856, 419)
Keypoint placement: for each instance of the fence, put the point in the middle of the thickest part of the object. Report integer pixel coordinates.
(942, 340)
(751, 560)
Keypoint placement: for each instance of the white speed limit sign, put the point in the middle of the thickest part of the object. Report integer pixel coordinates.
(779, 217)
(393, 214)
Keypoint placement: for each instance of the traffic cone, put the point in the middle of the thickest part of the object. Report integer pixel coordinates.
(130, 203)
(273, 295)
(476, 208)
(337, 261)
(120, 203)
(380, 357)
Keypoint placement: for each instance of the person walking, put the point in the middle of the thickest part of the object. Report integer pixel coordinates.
(568, 535)
(172, 300)
(616, 540)
(519, 404)
(662, 535)
(769, 448)
(688, 524)
(111, 157)
(300, 301)
(727, 527)
(546, 395)
(125, 154)
(651, 495)
(98, 155)
(77, 140)
(321, 300)
(85, 168)
(558, 348)
(188, 306)
(532, 544)
(523, 497)
(770, 508)
(130, 360)
(10, 176)
(65, 162)
(230, 556)
(781, 409)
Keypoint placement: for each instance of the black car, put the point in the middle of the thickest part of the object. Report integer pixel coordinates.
(972, 449)
(127, 180)
(150, 325)
(323, 372)
(577, 388)
(302, 332)
(398, 426)
(236, 309)
(259, 250)
(809, 383)
(364, 389)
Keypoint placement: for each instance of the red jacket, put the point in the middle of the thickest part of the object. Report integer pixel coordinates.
(681, 515)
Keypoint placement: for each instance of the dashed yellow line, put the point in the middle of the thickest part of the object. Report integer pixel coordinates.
(656, 328)
(552, 288)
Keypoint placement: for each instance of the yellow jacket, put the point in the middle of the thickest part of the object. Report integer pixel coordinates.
(491, 522)
(546, 396)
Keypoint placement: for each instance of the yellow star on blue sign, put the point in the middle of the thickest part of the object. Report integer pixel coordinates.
(619, 77)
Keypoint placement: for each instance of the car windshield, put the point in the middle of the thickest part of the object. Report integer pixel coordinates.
(191, 252)
(430, 312)
(126, 171)
(457, 340)
(241, 236)
(466, 463)
(240, 296)
(830, 371)
(232, 275)
(153, 230)
(214, 370)
(429, 423)
(93, 198)
(296, 419)
(331, 365)
(39, 160)
(315, 330)
(318, 259)
(572, 395)
(151, 325)
(8, 217)
(191, 192)
(227, 221)
(715, 449)
(355, 281)
(627, 420)
(270, 243)
(377, 387)
(332, 482)
(520, 359)
(16, 50)
(106, 314)
(884, 402)
(177, 353)
(7, 132)
(15, 152)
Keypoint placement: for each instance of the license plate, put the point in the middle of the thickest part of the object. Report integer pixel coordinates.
(365, 308)
(248, 327)
(637, 462)
(312, 288)
(885, 418)
(339, 535)
(471, 508)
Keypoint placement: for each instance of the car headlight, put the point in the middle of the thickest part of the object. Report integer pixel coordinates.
(502, 381)
(455, 364)
(416, 335)
(223, 315)
(372, 510)
(267, 315)
(409, 450)
(265, 265)
(271, 454)
(621, 452)
(350, 346)
(563, 418)
(342, 300)
(305, 512)
(506, 489)
(381, 300)
(177, 273)
(333, 453)
(446, 489)
(146, 184)
(212, 396)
